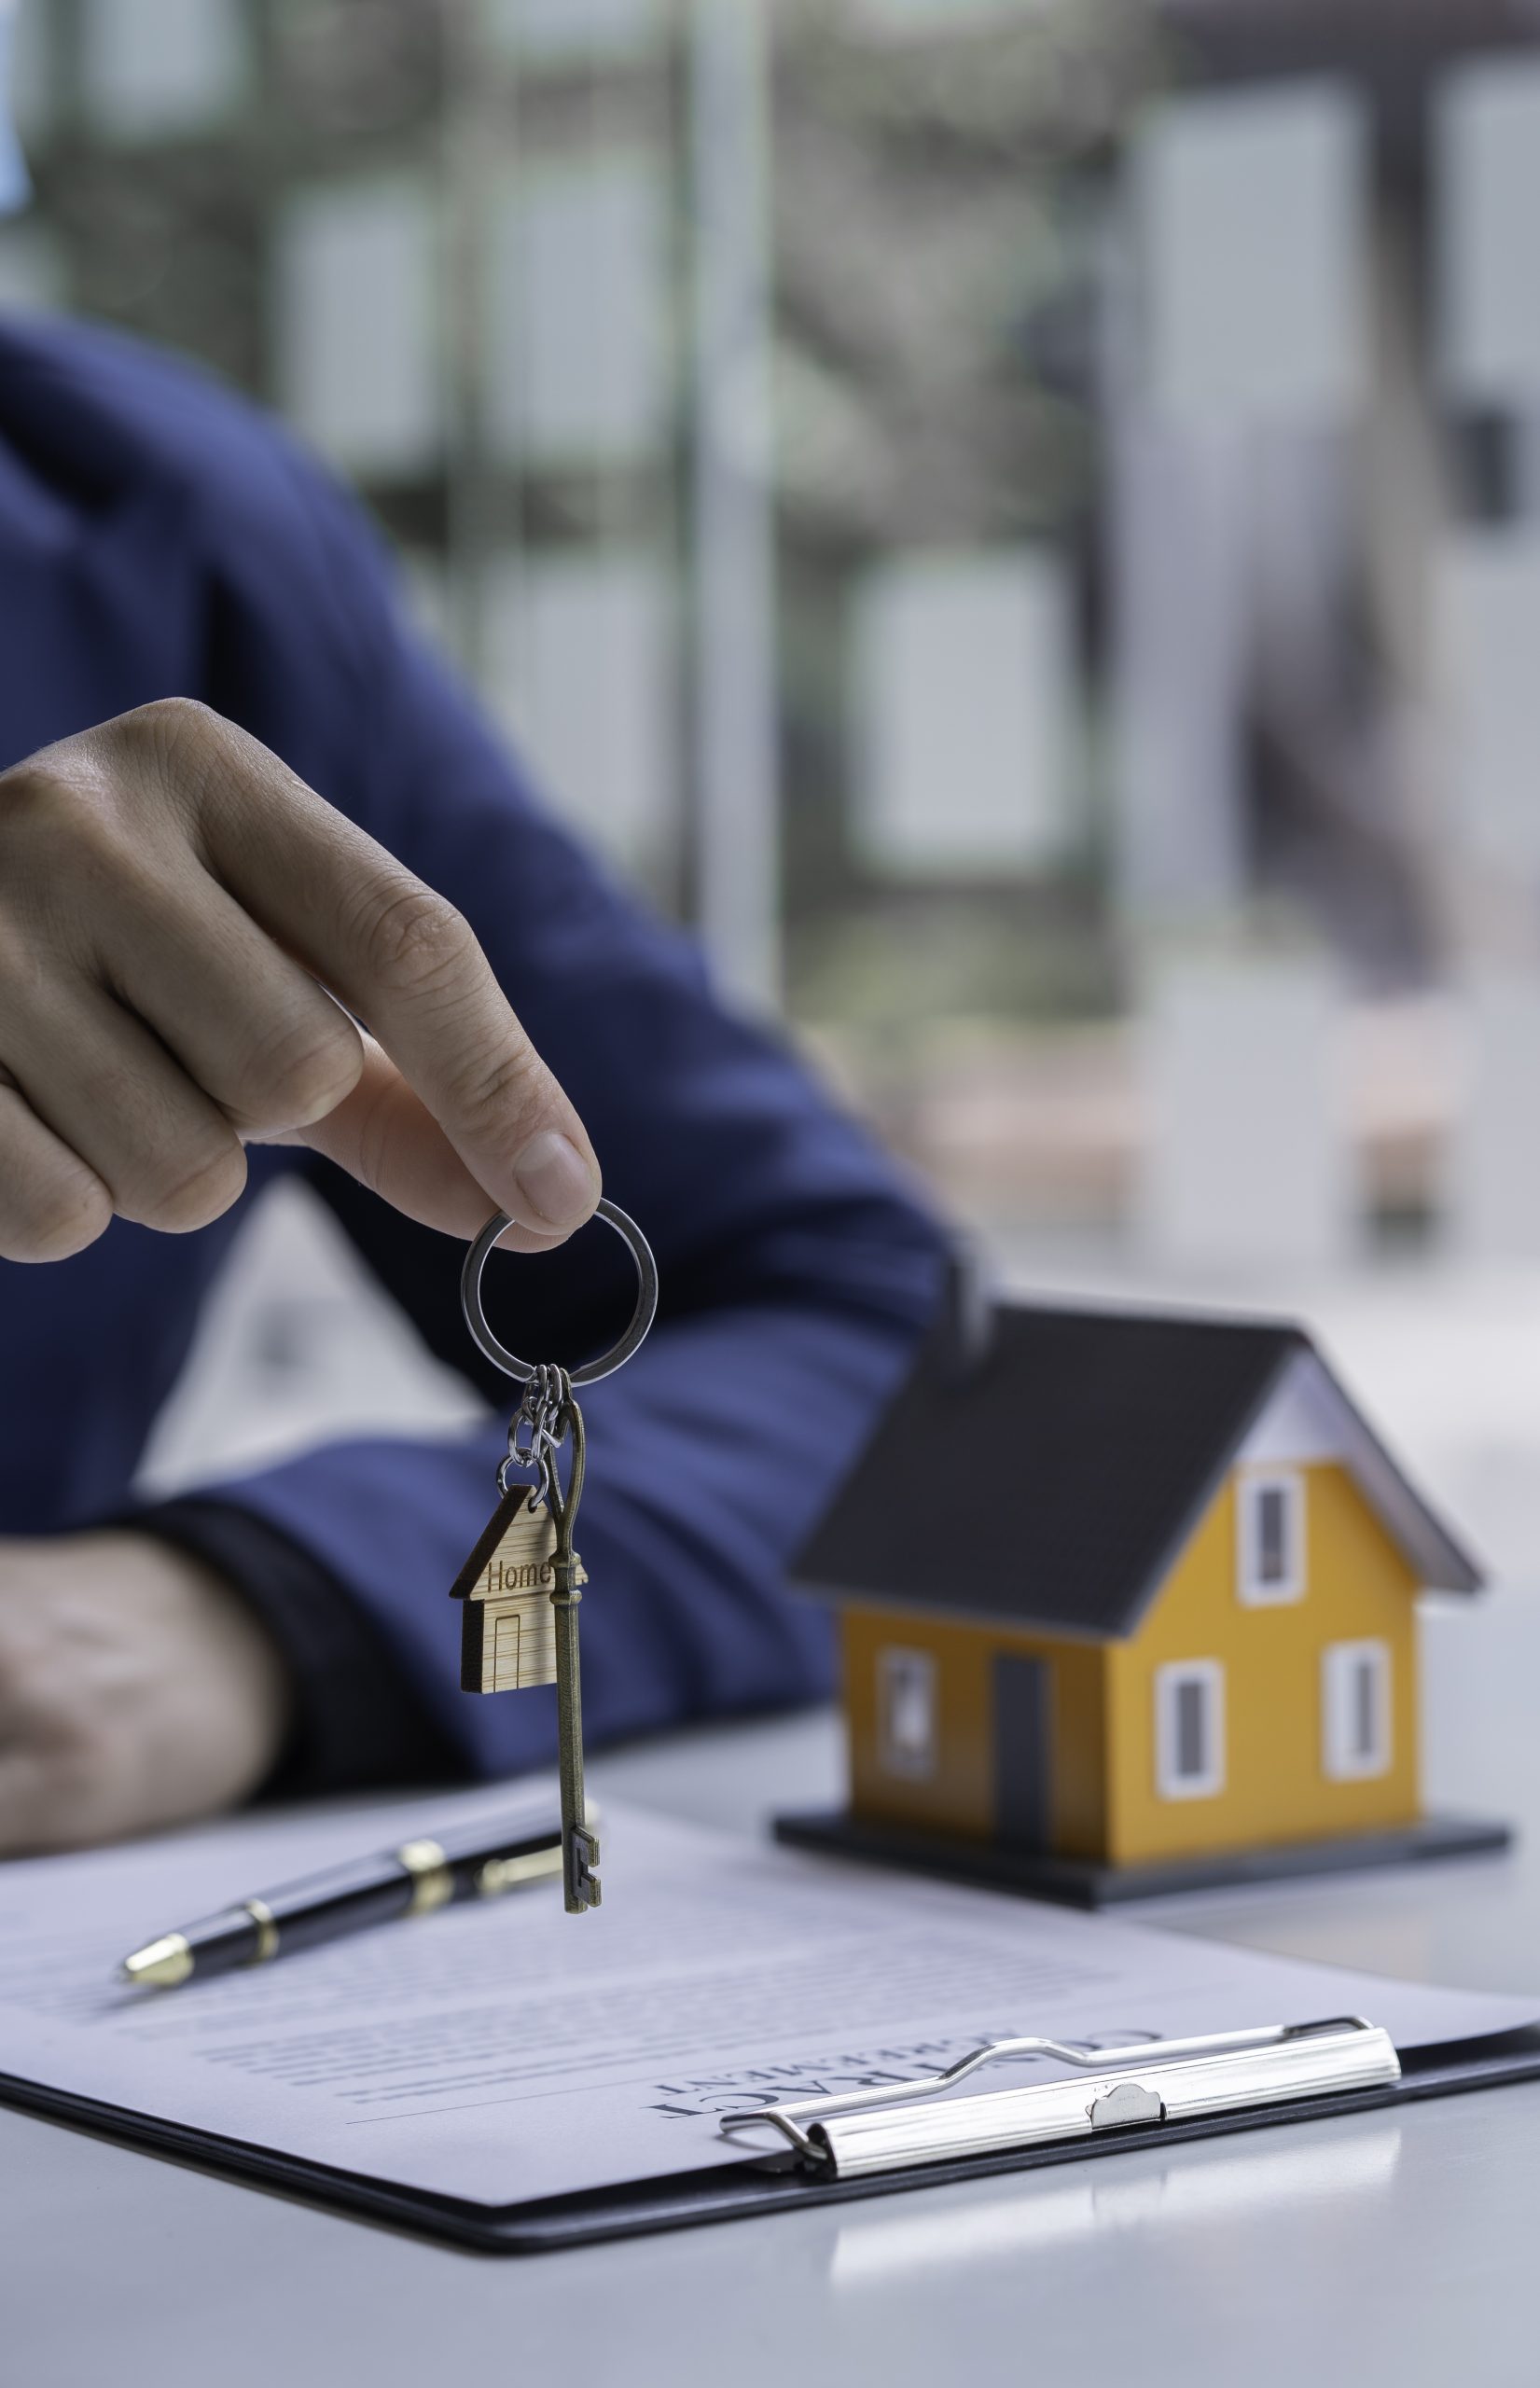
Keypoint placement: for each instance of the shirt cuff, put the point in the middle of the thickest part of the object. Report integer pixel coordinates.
(357, 1721)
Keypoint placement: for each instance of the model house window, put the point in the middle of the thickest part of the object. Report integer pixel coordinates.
(905, 1712)
(1190, 1729)
(1356, 1722)
(1271, 1510)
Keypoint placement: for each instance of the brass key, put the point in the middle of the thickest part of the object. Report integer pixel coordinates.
(579, 1847)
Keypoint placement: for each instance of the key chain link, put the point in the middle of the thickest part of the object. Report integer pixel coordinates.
(537, 1429)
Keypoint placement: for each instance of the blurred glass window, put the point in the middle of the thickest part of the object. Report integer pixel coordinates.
(1247, 1161)
(1253, 221)
(1489, 231)
(558, 32)
(900, 17)
(149, 68)
(1490, 592)
(356, 324)
(580, 670)
(33, 88)
(577, 358)
(1490, 1176)
(960, 692)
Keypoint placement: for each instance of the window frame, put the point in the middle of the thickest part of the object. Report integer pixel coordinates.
(1169, 1682)
(905, 1764)
(1254, 1588)
(1340, 1760)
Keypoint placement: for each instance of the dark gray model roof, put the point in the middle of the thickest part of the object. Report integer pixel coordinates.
(1056, 1480)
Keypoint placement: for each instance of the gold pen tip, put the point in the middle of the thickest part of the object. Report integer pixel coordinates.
(160, 1966)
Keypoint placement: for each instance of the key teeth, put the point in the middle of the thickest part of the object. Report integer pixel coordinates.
(582, 1886)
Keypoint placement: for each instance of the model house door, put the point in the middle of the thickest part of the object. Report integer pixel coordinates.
(505, 1652)
(1021, 1753)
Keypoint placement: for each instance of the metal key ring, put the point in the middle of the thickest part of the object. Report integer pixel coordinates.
(590, 1373)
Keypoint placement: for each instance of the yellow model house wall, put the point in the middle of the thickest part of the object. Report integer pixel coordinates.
(959, 1796)
(1104, 1797)
(1357, 1588)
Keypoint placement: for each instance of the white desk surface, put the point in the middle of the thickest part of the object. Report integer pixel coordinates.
(1358, 2251)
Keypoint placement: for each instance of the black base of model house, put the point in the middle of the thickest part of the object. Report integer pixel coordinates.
(1080, 1883)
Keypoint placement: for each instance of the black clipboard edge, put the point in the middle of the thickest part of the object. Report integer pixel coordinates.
(686, 2200)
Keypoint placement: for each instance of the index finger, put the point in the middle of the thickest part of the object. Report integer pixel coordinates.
(404, 959)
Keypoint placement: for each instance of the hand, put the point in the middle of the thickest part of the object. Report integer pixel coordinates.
(174, 906)
(137, 1690)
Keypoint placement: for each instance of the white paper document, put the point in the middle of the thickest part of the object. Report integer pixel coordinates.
(502, 2051)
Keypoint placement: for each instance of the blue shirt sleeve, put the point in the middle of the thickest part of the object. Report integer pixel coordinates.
(797, 1273)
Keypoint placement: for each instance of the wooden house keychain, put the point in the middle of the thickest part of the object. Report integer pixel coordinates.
(522, 1582)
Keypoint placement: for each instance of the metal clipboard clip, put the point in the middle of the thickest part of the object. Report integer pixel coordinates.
(893, 2126)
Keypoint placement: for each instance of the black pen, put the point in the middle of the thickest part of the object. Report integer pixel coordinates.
(479, 1862)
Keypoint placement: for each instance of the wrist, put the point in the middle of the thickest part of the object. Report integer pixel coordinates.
(137, 1689)
(238, 1709)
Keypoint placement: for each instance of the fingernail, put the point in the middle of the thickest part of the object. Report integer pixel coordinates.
(557, 1184)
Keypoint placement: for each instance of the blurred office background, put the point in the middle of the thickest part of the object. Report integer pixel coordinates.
(1017, 519)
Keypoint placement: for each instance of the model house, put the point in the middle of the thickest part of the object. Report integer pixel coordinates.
(507, 1635)
(1130, 1602)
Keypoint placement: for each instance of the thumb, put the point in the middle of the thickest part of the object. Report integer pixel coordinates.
(385, 1135)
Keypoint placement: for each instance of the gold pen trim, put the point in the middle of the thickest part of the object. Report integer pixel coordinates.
(495, 1875)
(501, 1874)
(163, 1964)
(267, 1931)
(432, 1882)
(160, 1965)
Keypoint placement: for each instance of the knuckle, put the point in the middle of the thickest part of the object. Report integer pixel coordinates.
(504, 1092)
(299, 1074)
(29, 786)
(82, 819)
(62, 821)
(416, 943)
(91, 794)
(162, 750)
(38, 796)
(51, 1208)
(57, 1225)
(167, 723)
(212, 1179)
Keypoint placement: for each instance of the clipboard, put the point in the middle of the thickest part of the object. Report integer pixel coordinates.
(909, 2135)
